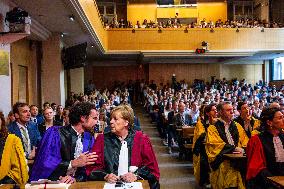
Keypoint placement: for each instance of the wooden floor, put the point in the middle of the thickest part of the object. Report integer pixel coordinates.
(175, 173)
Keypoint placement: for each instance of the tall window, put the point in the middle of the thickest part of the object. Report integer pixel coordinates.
(278, 69)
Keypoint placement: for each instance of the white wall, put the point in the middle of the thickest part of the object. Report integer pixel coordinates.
(5, 81)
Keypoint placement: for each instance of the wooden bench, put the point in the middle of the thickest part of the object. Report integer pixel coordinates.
(187, 135)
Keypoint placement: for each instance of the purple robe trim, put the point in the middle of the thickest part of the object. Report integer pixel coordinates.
(49, 156)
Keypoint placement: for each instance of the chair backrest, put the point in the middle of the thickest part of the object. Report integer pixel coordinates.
(188, 132)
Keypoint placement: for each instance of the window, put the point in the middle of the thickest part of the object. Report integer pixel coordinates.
(277, 69)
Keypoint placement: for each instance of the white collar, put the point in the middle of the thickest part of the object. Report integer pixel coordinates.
(22, 126)
(78, 134)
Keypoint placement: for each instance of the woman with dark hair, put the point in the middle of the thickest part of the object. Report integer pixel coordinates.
(13, 166)
(200, 159)
(59, 114)
(123, 153)
(265, 151)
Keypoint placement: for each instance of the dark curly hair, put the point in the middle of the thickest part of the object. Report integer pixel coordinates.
(3, 128)
(18, 105)
(267, 114)
(80, 109)
(207, 109)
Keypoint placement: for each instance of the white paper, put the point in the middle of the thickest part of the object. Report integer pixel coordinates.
(123, 159)
(132, 185)
(41, 186)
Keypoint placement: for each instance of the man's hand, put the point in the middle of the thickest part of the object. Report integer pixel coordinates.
(32, 154)
(84, 159)
(111, 178)
(67, 179)
(238, 149)
(128, 177)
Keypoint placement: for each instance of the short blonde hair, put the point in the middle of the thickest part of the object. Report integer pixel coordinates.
(126, 112)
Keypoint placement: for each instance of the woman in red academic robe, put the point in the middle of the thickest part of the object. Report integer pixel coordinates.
(265, 151)
(141, 164)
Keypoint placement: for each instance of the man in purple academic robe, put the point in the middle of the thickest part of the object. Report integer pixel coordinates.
(64, 151)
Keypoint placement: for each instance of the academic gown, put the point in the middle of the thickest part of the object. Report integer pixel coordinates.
(13, 165)
(255, 123)
(140, 154)
(223, 175)
(200, 160)
(56, 150)
(261, 160)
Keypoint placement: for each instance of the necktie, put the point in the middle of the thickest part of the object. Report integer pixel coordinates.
(182, 119)
(123, 159)
(25, 139)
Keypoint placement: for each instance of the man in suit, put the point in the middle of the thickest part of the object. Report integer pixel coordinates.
(26, 130)
(182, 119)
(171, 128)
(35, 116)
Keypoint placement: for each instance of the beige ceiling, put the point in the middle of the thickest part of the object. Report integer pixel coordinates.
(54, 16)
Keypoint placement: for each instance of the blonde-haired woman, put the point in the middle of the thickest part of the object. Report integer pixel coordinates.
(13, 166)
(140, 161)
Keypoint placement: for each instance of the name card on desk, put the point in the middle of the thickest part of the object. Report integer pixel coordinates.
(47, 186)
(132, 185)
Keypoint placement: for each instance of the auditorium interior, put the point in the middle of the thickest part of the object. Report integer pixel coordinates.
(51, 49)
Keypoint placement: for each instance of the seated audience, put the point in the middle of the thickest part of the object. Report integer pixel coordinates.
(64, 151)
(225, 136)
(48, 121)
(140, 161)
(26, 130)
(200, 160)
(13, 166)
(265, 151)
(10, 118)
(35, 116)
(59, 114)
(246, 120)
(65, 116)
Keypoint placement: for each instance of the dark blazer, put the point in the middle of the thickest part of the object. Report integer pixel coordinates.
(34, 134)
(40, 119)
(178, 122)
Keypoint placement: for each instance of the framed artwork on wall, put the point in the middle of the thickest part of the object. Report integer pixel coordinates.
(4, 62)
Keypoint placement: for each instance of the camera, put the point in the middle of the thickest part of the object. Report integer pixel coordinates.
(16, 16)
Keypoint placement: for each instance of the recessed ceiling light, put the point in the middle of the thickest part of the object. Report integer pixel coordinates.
(72, 18)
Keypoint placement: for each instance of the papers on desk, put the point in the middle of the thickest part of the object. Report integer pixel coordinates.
(42, 186)
(132, 185)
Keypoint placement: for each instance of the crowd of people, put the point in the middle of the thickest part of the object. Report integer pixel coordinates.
(176, 23)
(97, 135)
(227, 117)
(78, 143)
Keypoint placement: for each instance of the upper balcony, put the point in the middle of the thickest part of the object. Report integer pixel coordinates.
(182, 42)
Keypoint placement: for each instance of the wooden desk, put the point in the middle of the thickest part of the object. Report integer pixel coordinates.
(277, 180)
(235, 156)
(238, 162)
(99, 185)
(81, 185)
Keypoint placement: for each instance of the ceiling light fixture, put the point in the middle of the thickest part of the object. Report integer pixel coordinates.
(72, 18)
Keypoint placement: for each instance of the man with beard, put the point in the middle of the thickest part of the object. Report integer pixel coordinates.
(64, 151)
